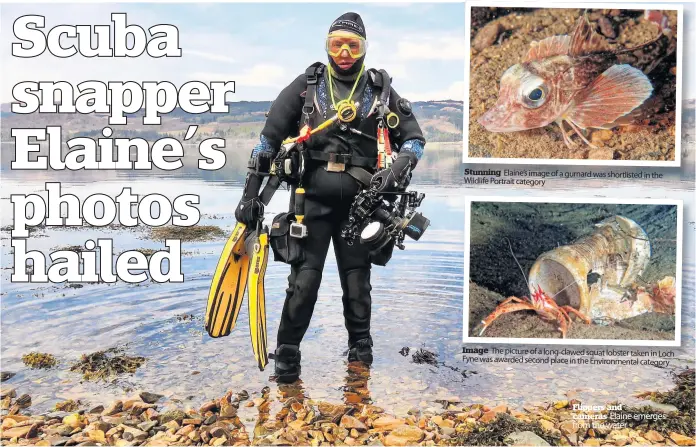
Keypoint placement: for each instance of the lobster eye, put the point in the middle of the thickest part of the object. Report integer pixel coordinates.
(536, 94)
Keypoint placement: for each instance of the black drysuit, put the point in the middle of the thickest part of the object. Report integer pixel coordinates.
(329, 195)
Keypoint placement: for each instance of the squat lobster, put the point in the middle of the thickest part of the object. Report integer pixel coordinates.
(542, 304)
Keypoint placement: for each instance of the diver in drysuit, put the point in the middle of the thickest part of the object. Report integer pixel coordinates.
(311, 99)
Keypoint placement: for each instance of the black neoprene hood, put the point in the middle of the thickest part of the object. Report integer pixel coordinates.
(350, 21)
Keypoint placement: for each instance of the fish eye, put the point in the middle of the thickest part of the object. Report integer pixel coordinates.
(535, 97)
(536, 94)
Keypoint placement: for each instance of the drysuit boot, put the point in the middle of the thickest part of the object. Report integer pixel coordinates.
(287, 363)
(361, 351)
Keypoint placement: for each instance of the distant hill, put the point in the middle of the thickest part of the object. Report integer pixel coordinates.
(441, 121)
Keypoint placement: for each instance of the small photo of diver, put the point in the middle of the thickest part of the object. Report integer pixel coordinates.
(585, 271)
(576, 86)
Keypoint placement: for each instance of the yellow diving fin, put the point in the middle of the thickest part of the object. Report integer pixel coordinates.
(257, 248)
(229, 283)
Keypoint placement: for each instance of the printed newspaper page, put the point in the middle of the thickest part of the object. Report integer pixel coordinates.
(313, 224)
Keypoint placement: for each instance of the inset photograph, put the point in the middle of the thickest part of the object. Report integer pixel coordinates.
(573, 85)
(573, 272)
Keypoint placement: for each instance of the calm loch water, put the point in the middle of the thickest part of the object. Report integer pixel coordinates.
(417, 303)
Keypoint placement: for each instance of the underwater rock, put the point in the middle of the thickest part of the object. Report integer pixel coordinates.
(96, 410)
(135, 434)
(546, 424)
(487, 36)
(681, 439)
(6, 375)
(172, 415)
(7, 391)
(667, 408)
(299, 423)
(351, 422)
(332, 411)
(23, 401)
(150, 398)
(209, 406)
(606, 27)
(385, 423)
(653, 436)
(113, 408)
(525, 438)
(75, 421)
(16, 432)
(404, 435)
(97, 436)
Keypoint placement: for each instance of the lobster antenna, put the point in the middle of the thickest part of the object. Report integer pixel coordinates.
(518, 262)
(557, 293)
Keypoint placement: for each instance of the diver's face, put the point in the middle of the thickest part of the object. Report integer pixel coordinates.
(344, 60)
(345, 48)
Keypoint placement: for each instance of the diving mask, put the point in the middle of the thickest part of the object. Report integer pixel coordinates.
(338, 41)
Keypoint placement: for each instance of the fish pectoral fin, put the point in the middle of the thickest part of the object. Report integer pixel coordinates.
(631, 117)
(616, 92)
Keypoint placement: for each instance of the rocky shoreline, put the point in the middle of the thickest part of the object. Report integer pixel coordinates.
(139, 420)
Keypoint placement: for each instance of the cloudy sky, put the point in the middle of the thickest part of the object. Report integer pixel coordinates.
(260, 46)
(265, 46)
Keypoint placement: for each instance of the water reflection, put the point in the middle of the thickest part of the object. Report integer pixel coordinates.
(417, 303)
(355, 390)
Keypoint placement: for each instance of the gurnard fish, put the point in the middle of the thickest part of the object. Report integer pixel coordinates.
(578, 80)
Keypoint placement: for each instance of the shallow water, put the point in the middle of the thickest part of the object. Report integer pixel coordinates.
(417, 302)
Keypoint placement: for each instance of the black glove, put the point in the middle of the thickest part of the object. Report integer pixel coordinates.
(250, 208)
(394, 178)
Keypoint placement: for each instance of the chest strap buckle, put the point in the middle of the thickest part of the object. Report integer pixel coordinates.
(333, 165)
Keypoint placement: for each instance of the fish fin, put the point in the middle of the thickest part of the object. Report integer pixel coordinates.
(616, 92)
(551, 46)
(584, 40)
(630, 118)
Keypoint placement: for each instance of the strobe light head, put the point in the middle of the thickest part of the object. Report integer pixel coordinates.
(374, 235)
(416, 226)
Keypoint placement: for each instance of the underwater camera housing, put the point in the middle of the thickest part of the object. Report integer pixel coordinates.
(380, 218)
